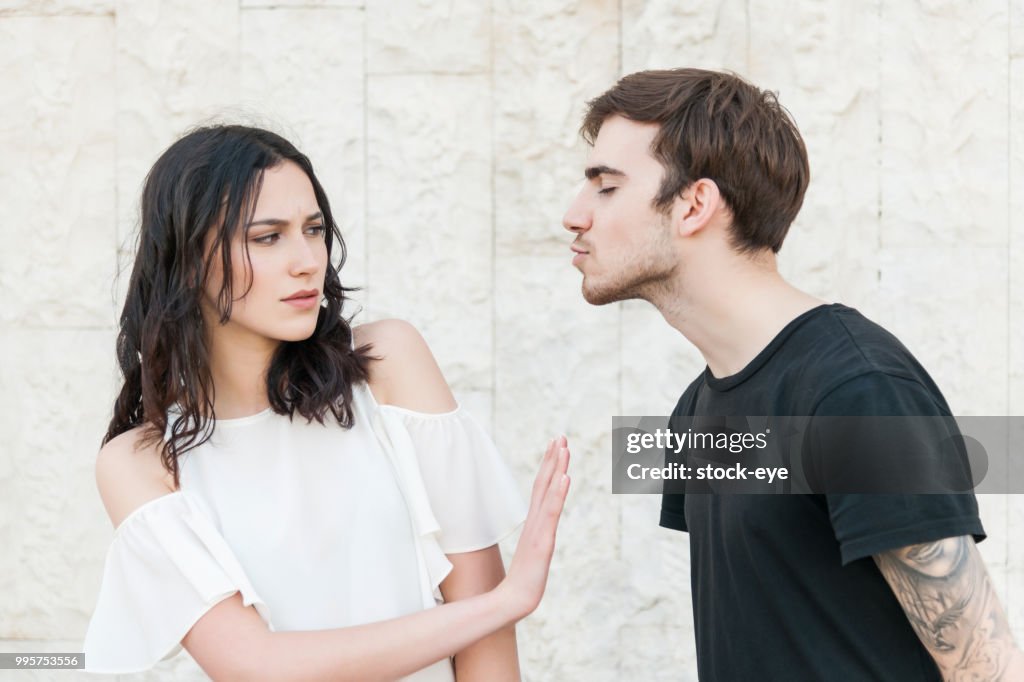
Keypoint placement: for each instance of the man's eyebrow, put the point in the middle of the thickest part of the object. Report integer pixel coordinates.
(593, 171)
(277, 222)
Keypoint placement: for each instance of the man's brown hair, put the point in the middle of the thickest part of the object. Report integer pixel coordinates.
(718, 126)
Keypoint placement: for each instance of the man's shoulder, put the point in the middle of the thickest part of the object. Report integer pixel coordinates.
(876, 343)
(847, 345)
(857, 355)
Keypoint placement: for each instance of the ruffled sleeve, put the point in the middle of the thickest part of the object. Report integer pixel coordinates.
(461, 495)
(166, 567)
(472, 493)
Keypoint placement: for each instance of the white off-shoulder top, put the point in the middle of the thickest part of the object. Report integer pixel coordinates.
(314, 525)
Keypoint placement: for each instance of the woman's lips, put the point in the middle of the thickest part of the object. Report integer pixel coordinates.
(303, 302)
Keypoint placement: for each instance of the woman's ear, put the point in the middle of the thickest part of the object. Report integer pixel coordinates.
(696, 206)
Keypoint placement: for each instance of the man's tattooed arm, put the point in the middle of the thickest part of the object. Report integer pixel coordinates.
(946, 593)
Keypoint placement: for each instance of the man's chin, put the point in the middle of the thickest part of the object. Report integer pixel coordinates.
(599, 296)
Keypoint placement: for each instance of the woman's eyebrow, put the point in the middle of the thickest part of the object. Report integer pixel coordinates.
(280, 221)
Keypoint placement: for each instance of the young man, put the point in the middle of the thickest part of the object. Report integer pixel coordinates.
(692, 183)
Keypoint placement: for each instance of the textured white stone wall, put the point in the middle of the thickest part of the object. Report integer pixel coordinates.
(445, 133)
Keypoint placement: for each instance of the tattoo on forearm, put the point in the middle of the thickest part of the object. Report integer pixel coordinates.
(947, 595)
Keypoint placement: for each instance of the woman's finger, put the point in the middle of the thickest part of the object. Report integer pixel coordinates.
(547, 468)
(543, 463)
(555, 497)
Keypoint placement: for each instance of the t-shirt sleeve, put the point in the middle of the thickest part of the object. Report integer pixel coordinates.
(672, 508)
(673, 498)
(166, 567)
(866, 523)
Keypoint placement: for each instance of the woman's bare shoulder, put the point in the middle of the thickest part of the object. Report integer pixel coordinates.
(129, 473)
(406, 373)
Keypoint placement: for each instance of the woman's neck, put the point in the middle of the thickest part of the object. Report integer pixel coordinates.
(238, 367)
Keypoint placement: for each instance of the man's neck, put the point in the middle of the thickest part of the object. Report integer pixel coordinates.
(732, 311)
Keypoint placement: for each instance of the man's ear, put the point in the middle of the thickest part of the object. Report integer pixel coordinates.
(696, 206)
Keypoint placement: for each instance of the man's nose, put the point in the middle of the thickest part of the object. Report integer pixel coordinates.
(578, 216)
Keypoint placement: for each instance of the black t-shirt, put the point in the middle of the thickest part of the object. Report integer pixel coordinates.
(784, 586)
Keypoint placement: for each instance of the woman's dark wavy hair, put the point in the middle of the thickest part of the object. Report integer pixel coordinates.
(209, 181)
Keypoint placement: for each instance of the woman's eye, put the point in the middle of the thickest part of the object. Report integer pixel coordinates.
(606, 190)
(267, 238)
(317, 230)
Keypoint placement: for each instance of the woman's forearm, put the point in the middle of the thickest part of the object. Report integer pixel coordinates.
(385, 650)
(232, 642)
(492, 659)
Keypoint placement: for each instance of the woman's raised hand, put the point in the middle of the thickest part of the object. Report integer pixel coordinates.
(528, 571)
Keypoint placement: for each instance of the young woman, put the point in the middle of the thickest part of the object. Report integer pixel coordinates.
(294, 498)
